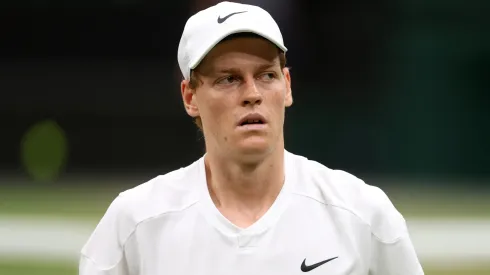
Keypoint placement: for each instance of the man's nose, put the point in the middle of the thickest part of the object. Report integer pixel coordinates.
(252, 95)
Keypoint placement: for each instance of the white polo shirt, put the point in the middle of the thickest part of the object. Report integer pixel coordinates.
(324, 221)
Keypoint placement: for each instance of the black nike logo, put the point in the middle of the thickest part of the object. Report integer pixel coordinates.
(307, 268)
(221, 20)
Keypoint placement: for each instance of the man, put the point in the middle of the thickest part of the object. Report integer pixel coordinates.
(247, 206)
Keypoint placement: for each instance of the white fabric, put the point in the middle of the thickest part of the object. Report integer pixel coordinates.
(170, 226)
(203, 31)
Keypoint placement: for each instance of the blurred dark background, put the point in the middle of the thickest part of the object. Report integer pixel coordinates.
(393, 88)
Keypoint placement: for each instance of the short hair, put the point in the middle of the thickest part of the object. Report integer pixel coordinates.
(194, 81)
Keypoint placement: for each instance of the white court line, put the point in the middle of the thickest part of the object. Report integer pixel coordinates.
(439, 242)
(451, 242)
(42, 238)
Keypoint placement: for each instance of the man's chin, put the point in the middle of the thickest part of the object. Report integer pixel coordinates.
(254, 144)
(254, 150)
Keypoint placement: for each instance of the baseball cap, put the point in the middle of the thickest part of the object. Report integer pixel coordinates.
(208, 27)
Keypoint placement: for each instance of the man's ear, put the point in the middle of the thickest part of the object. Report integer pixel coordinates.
(189, 98)
(288, 99)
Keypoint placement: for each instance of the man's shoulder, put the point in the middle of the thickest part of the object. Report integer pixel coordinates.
(171, 192)
(347, 192)
(340, 186)
(168, 193)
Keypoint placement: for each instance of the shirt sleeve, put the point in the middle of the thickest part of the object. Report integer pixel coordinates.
(392, 251)
(396, 258)
(103, 253)
(90, 267)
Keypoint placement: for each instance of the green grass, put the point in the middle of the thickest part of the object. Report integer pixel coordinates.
(439, 202)
(469, 271)
(35, 268)
(78, 201)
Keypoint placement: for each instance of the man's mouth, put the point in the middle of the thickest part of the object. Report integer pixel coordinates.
(252, 119)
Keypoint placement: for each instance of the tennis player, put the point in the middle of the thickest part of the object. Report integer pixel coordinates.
(247, 206)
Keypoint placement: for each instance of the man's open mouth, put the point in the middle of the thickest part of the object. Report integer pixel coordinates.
(252, 119)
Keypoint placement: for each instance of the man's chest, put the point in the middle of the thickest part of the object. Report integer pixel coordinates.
(292, 246)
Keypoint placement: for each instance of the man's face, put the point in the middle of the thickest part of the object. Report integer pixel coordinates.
(241, 97)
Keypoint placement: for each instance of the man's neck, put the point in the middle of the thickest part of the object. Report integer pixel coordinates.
(244, 192)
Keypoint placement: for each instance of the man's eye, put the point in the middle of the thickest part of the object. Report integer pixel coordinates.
(268, 76)
(228, 80)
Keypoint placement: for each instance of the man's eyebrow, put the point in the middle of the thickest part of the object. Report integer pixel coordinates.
(227, 71)
(266, 66)
(259, 67)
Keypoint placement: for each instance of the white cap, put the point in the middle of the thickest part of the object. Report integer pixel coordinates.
(208, 27)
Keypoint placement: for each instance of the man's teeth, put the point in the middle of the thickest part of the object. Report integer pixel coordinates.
(252, 121)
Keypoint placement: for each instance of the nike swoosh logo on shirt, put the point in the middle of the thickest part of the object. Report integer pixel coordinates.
(307, 268)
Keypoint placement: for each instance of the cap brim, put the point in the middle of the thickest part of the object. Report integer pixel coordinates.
(207, 48)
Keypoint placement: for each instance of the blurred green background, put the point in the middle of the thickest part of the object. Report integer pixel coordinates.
(394, 92)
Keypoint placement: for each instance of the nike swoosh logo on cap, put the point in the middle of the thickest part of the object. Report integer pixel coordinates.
(221, 20)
